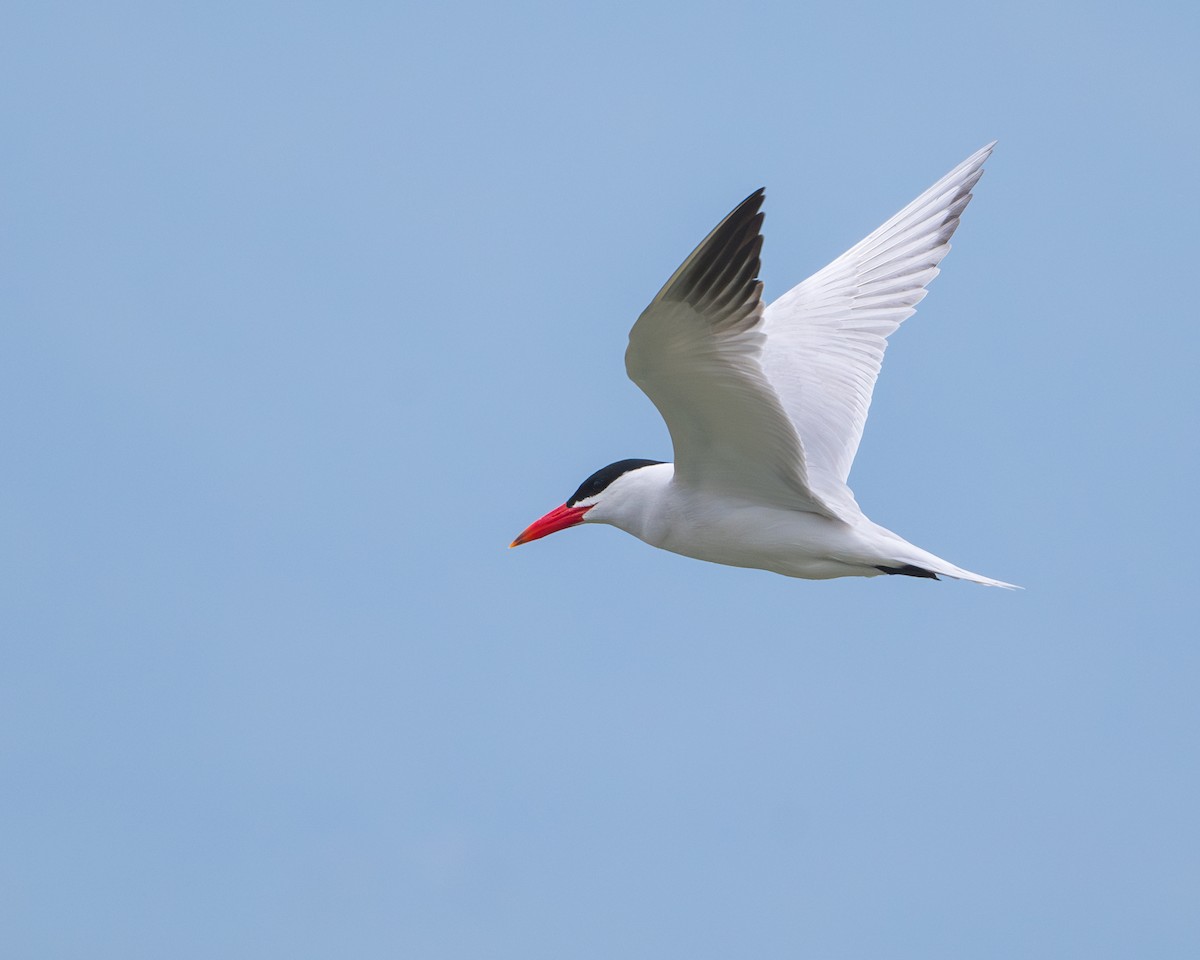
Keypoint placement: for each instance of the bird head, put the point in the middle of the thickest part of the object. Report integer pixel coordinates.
(595, 492)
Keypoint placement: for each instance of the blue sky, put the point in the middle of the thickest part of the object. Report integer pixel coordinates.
(310, 308)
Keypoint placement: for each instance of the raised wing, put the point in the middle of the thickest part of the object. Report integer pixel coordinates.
(695, 352)
(825, 338)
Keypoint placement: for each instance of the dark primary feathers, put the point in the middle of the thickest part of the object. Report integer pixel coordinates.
(720, 278)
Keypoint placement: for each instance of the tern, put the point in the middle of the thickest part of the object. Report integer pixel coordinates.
(766, 404)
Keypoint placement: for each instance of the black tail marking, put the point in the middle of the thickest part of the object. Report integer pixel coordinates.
(908, 570)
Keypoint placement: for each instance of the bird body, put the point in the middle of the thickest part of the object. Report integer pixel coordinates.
(651, 505)
(737, 532)
(766, 404)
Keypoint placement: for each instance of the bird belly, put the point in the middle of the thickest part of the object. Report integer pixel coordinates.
(788, 542)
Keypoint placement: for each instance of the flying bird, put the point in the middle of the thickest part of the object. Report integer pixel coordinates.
(765, 404)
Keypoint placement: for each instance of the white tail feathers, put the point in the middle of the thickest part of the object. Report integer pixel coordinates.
(959, 574)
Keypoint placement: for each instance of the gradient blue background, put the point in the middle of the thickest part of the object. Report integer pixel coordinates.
(309, 308)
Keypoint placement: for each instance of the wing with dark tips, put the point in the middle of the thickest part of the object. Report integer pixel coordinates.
(695, 351)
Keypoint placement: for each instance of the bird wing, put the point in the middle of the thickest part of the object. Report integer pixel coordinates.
(825, 338)
(696, 353)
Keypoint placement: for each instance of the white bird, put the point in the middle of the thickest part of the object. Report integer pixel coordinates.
(766, 405)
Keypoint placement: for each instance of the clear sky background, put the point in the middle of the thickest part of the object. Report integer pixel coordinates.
(308, 309)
